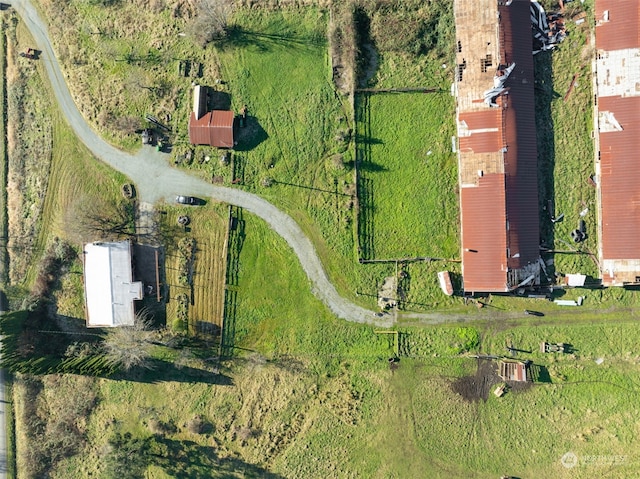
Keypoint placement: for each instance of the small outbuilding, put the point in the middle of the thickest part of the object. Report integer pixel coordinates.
(108, 284)
(513, 370)
(214, 128)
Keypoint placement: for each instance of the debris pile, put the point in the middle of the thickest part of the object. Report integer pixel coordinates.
(498, 85)
(548, 29)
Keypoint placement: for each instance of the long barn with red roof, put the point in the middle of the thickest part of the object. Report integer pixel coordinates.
(617, 122)
(497, 153)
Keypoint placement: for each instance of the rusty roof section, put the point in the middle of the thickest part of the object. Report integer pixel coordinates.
(497, 145)
(481, 131)
(214, 128)
(513, 371)
(521, 157)
(484, 239)
(617, 115)
(620, 179)
(617, 24)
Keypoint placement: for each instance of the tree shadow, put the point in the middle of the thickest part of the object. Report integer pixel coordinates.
(368, 140)
(251, 135)
(235, 243)
(160, 371)
(131, 456)
(371, 167)
(239, 37)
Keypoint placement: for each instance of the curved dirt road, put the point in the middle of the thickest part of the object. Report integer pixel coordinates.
(156, 179)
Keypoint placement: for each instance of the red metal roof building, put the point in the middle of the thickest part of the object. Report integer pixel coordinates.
(214, 128)
(617, 121)
(497, 150)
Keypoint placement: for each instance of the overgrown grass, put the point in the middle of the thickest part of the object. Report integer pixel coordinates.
(66, 172)
(413, 43)
(137, 57)
(566, 148)
(360, 418)
(315, 396)
(29, 140)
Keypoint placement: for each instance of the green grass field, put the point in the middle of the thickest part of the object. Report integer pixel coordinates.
(406, 158)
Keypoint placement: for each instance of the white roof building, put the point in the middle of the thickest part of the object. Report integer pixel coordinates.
(109, 289)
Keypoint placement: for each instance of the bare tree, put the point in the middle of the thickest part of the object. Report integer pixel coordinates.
(130, 346)
(212, 21)
(91, 220)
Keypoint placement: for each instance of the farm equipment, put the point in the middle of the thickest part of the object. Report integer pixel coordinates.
(552, 348)
(147, 136)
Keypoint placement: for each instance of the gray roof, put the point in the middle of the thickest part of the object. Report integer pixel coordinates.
(108, 284)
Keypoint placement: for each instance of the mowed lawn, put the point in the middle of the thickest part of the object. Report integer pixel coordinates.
(410, 173)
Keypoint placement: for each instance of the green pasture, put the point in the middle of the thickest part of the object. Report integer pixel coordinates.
(404, 148)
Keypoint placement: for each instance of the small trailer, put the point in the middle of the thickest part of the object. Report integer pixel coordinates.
(444, 279)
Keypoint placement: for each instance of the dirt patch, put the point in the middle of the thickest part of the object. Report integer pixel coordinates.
(474, 388)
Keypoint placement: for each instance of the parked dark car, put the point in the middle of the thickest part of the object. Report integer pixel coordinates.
(533, 313)
(188, 200)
